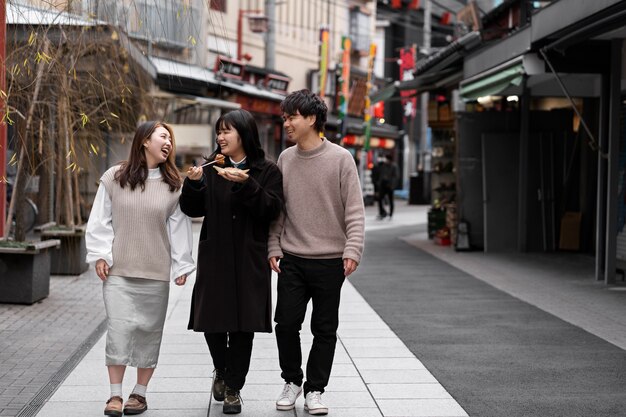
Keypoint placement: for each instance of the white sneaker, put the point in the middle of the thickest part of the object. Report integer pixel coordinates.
(313, 403)
(287, 399)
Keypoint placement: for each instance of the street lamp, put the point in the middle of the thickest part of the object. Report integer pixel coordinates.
(258, 24)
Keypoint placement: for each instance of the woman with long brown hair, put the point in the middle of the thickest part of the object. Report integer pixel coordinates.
(139, 239)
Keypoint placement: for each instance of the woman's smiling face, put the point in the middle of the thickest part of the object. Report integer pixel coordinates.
(158, 147)
(229, 141)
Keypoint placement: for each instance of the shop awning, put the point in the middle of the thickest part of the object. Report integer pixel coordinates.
(492, 84)
(438, 70)
(355, 126)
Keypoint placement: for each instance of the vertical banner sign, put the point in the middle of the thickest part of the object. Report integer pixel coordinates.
(367, 128)
(324, 36)
(344, 80)
(407, 65)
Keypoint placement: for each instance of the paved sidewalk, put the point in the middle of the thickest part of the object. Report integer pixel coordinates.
(374, 374)
(41, 343)
(559, 283)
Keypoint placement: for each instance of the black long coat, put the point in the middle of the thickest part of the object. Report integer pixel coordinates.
(233, 279)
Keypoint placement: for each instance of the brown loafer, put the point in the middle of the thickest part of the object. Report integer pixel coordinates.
(114, 406)
(136, 404)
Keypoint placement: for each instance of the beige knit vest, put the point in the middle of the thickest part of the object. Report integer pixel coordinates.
(141, 246)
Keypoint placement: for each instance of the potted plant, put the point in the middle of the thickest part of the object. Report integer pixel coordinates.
(70, 90)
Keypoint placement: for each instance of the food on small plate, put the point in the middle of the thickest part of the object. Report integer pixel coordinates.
(231, 170)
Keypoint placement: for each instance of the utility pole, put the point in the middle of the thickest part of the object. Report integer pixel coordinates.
(3, 126)
(428, 8)
(270, 35)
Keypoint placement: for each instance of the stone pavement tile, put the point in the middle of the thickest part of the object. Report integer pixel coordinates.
(185, 358)
(380, 352)
(264, 377)
(187, 348)
(345, 317)
(367, 325)
(169, 384)
(261, 392)
(72, 394)
(196, 412)
(346, 383)
(334, 411)
(265, 364)
(10, 411)
(184, 339)
(252, 409)
(348, 399)
(264, 352)
(177, 400)
(408, 391)
(386, 342)
(89, 374)
(366, 333)
(411, 376)
(388, 363)
(421, 408)
(78, 408)
(341, 369)
(187, 371)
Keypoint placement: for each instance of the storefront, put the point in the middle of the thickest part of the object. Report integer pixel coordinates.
(259, 91)
(539, 167)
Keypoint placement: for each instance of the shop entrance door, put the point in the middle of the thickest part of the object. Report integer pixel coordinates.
(500, 167)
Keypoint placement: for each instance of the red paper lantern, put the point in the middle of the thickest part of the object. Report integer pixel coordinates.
(379, 110)
(446, 17)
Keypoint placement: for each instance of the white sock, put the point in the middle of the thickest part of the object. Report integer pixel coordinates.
(140, 389)
(116, 389)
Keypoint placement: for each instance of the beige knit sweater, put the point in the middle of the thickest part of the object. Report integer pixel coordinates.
(324, 216)
(141, 248)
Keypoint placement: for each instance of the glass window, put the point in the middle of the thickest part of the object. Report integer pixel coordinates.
(359, 29)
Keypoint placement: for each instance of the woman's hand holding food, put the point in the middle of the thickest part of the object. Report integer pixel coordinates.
(232, 174)
(195, 173)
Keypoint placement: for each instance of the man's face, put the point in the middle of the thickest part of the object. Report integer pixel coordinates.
(298, 126)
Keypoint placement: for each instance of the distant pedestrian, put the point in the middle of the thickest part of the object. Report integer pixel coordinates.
(319, 241)
(384, 177)
(139, 239)
(232, 294)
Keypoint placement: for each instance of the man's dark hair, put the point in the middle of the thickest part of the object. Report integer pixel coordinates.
(308, 104)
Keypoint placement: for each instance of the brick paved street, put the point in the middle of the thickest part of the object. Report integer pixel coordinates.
(37, 342)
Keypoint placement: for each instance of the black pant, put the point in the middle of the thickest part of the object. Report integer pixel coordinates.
(385, 192)
(231, 354)
(301, 280)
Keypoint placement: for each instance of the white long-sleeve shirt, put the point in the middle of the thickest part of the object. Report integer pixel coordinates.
(99, 235)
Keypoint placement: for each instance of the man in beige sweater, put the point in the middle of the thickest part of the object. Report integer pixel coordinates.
(318, 240)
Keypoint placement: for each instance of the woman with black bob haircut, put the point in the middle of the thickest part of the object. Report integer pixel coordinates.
(232, 295)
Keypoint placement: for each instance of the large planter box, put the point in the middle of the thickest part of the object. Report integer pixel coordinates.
(25, 272)
(70, 258)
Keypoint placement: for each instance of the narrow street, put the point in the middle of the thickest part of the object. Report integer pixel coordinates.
(494, 353)
(418, 337)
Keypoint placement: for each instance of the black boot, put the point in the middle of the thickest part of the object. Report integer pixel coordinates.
(232, 402)
(219, 386)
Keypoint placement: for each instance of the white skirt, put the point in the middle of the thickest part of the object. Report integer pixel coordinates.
(135, 310)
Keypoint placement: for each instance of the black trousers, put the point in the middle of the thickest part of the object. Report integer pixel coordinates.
(231, 354)
(385, 192)
(301, 280)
